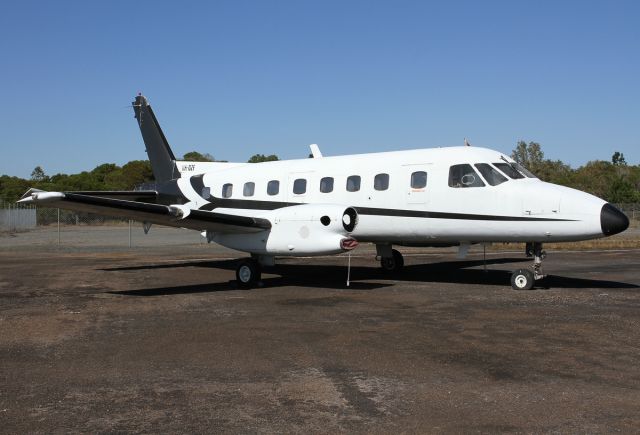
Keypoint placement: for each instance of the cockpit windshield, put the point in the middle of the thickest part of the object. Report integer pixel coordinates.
(509, 170)
(516, 169)
(491, 174)
(524, 170)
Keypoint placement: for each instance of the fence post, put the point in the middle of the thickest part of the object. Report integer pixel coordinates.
(58, 227)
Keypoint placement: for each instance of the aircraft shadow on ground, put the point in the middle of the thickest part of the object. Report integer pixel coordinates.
(452, 272)
(265, 283)
(216, 264)
(334, 276)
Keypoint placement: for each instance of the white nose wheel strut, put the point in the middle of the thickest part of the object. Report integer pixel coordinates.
(523, 279)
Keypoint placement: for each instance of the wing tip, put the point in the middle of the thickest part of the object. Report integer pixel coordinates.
(36, 195)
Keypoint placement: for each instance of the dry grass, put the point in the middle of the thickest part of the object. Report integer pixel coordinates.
(614, 242)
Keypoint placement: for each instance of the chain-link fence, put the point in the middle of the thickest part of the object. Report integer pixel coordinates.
(22, 225)
(14, 217)
(30, 225)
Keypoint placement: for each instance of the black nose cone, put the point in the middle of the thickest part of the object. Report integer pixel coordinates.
(612, 220)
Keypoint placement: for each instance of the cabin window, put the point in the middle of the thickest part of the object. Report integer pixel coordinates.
(464, 176)
(509, 170)
(419, 180)
(227, 190)
(249, 188)
(326, 185)
(273, 187)
(300, 186)
(353, 183)
(492, 175)
(381, 182)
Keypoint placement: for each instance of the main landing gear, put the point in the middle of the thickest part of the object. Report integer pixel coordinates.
(248, 273)
(390, 259)
(249, 270)
(523, 279)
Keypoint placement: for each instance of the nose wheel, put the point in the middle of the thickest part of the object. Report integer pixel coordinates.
(524, 279)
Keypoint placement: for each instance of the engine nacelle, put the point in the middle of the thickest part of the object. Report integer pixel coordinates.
(312, 229)
(300, 230)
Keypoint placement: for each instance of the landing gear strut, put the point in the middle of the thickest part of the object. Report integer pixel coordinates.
(523, 279)
(248, 273)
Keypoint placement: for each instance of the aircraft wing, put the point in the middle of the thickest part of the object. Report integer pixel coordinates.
(149, 196)
(171, 215)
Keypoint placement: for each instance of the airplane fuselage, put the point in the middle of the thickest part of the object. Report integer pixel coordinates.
(404, 197)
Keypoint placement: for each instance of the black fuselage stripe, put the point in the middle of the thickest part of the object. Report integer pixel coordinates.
(197, 183)
(368, 211)
(245, 204)
(444, 215)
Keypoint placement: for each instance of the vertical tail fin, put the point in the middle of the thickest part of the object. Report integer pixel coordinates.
(163, 162)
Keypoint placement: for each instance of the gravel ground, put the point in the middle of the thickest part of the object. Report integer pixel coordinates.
(158, 339)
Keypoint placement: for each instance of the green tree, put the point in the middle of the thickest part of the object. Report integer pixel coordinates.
(528, 155)
(38, 174)
(12, 188)
(618, 159)
(194, 156)
(136, 172)
(531, 156)
(613, 183)
(259, 158)
(554, 171)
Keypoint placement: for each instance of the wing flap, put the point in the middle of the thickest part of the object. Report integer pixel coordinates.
(170, 215)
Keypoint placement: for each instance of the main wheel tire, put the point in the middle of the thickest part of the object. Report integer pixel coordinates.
(394, 263)
(522, 279)
(247, 273)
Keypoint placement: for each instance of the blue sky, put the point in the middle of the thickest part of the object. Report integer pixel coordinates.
(236, 78)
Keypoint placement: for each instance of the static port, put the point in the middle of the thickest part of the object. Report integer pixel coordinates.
(325, 220)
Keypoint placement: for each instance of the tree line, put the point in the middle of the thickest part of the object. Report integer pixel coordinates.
(107, 176)
(613, 180)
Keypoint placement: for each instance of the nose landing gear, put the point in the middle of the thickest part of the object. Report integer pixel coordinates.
(523, 279)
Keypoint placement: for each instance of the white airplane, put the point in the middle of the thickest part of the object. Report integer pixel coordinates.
(454, 196)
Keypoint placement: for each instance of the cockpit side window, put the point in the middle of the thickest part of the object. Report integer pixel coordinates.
(492, 175)
(464, 176)
(509, 170)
